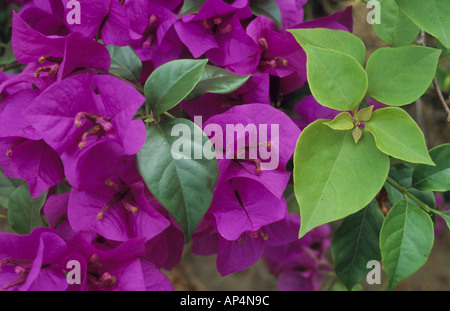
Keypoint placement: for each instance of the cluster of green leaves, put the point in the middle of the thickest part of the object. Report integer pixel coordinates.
(341, 165)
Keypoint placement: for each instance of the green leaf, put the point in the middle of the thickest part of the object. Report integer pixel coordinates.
(6, 188)
(446, 217)
(406, 240)
(395, 28)
(8, 56)
(357, 134)
(268, 8)
(333, 176)
(355, 243)
(181, 179)
(434, 178)
(343, 121)
(365, 114)
(336, 80)
(399, 76)
(431, 16)
(338, 40)
(24, 212)
(191, 7)
(125, 62)
(398, 135)
(218, 81)
(172, 82)
(402, 174)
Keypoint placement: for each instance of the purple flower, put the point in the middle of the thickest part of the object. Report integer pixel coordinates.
(156, 38)
(300, 265)
(255, 90)
(217, 32)
(23, 154)
(120, 268)
(51, 58)
(45, 16)
(279, 53)
(32, 262)
(103, 19)
(309, 110)
(264, 135)
(291, 12)
(109, 196)
(237, 255)
(81, 109)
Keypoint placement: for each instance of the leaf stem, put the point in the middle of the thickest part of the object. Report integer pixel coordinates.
(408, 194)
(3, 217)
(10, 66)
(169, 115)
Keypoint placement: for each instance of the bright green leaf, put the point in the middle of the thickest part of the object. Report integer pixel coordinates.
(333, 176)
(218, 81)
(24, 212)
(343, 121)
(430, 15)
(357, 134)
(398, 135)
(399, 76)
(365, 114)
(172, 82)
(125, 62)
(336, 80)
(395, 28)
(268, 8)
(434, 178)
(355, 243)
(180, 179)
(406, 240)
(339, 40)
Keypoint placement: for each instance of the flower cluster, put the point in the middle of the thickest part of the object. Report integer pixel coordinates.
(65, 120)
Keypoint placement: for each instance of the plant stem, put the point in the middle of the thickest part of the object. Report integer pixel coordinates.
(3, 217)
(406, 193)
(437, 89)
(10, 66)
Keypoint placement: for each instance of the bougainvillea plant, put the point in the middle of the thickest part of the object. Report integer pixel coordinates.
(132, 128)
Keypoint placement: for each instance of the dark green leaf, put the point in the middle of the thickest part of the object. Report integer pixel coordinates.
(24, 212)
(402, 174)
(267, 8)
(177, 172)
(172, 82)
(406, 240)
(218, 81)
(125, 63)
(355, 243)
(434, 178)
